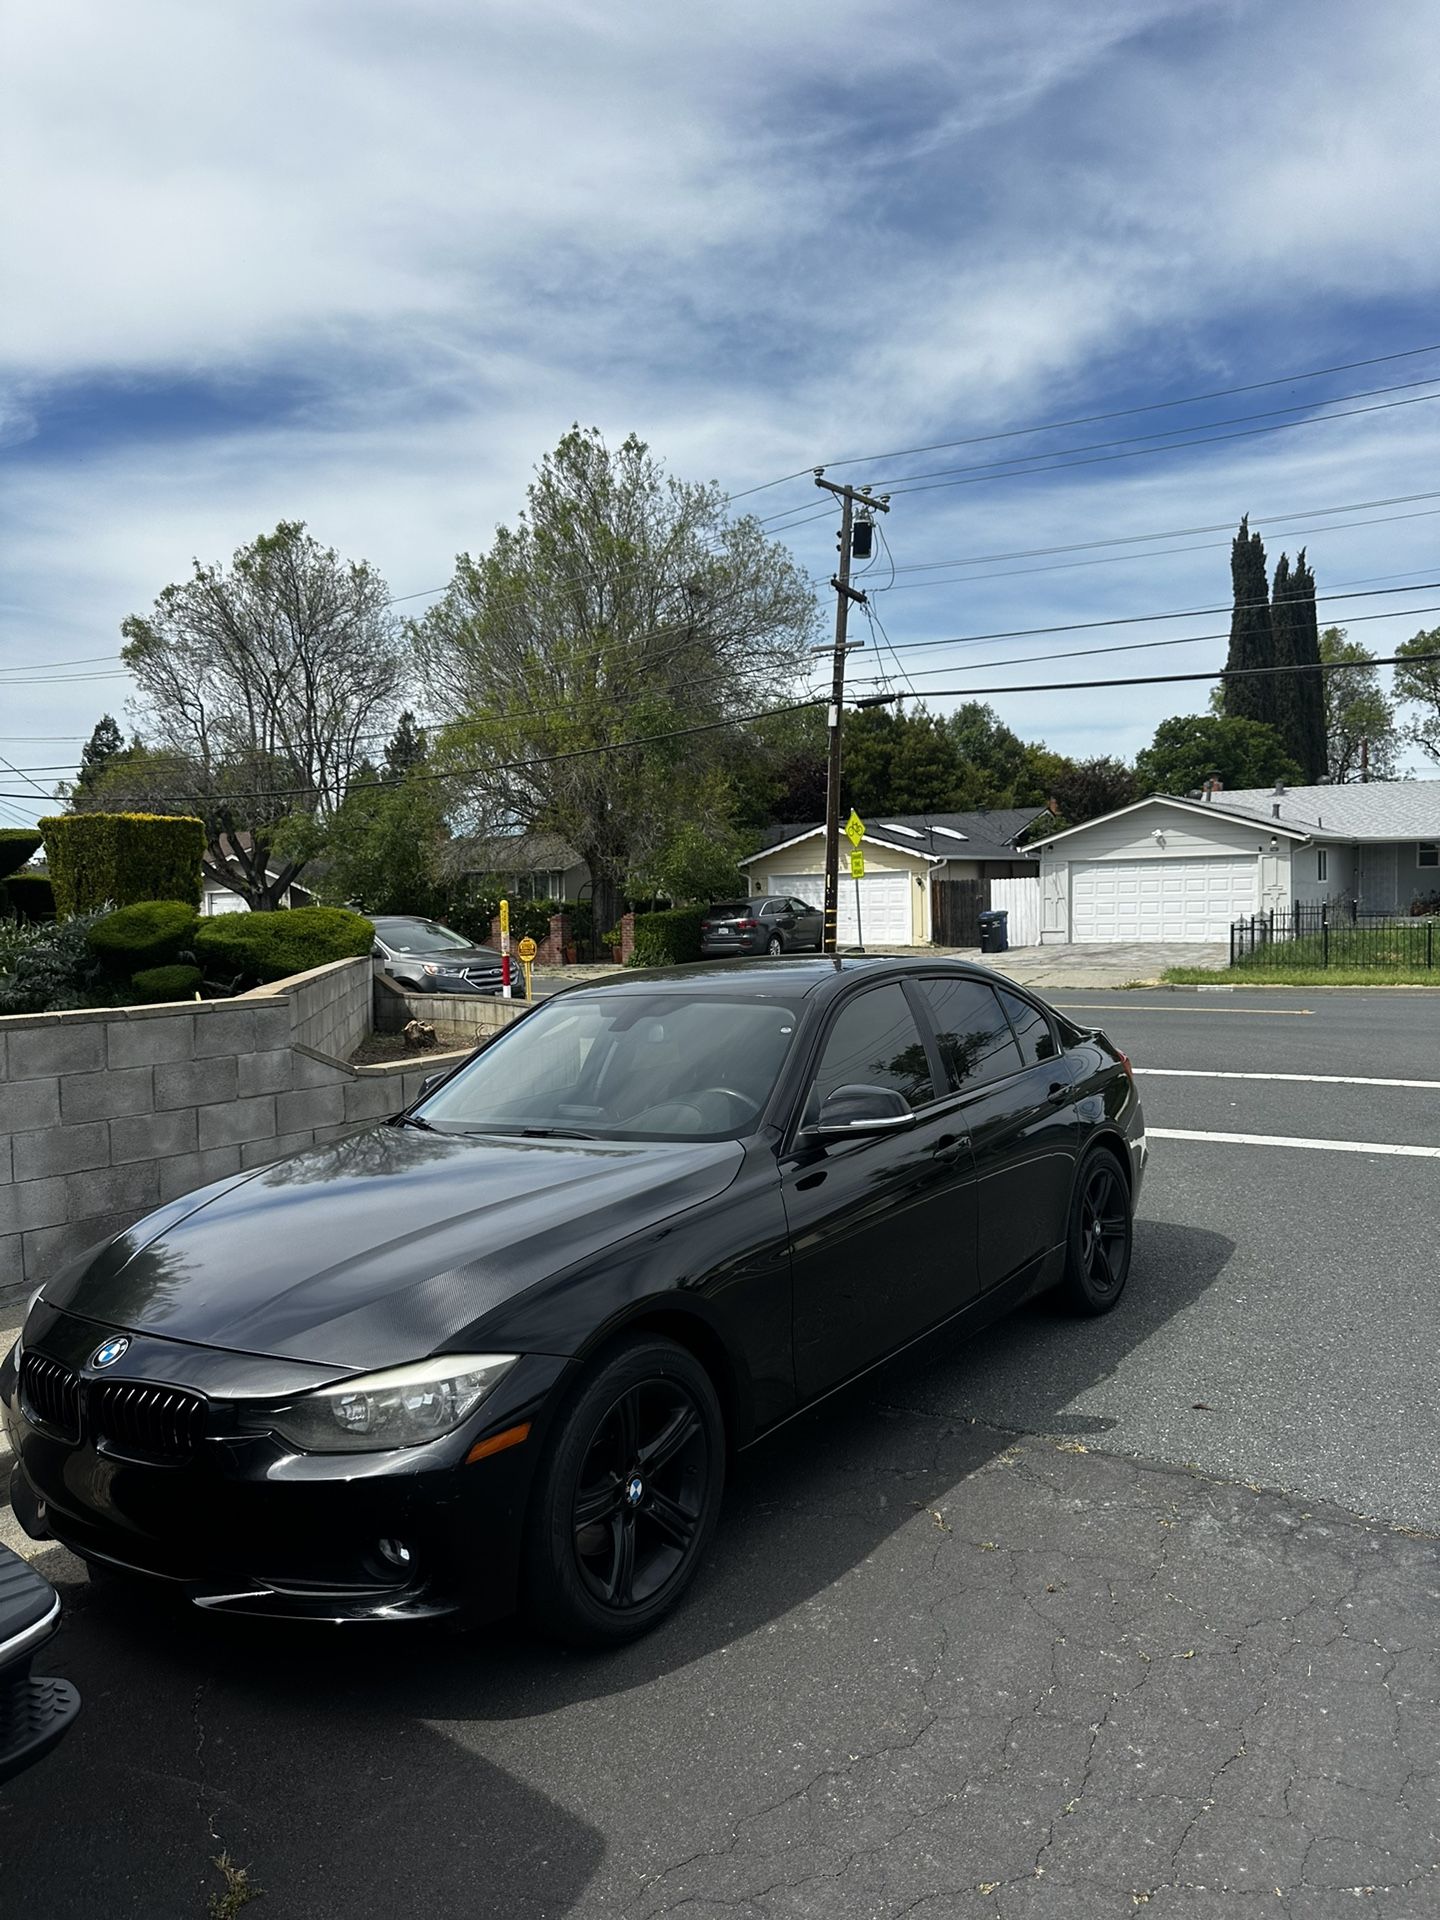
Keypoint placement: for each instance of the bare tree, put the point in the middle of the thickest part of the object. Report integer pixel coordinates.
(259, 685)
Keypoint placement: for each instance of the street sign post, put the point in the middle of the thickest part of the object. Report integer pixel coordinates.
(854, 828)
(857, 873)
(857, 865)
(527, 951)
(505, 950)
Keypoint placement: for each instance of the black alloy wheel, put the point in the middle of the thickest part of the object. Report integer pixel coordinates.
(627, 1497)
(775, 946)
(1101, 1231)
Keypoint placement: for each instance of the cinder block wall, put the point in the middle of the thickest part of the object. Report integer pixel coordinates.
(107, 1112)
(469, 1016)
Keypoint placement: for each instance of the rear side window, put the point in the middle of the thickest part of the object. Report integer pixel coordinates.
(874, 1043)
(773, 909)
(976, 1043)
(1032, 1029)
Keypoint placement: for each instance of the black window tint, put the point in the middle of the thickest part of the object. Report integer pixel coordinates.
(975, 1039)
(874, 1043)
(1032, 1029)
(772, 909)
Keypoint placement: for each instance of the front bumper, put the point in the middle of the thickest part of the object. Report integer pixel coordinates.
(247, 1525)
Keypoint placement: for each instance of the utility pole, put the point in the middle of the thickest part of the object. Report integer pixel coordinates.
(849, 498)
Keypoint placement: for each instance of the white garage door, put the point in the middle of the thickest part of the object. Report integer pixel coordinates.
(884, 905)
(1160, 899)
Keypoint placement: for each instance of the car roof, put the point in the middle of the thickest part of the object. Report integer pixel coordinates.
(820, 974)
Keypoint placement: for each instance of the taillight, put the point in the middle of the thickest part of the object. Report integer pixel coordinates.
(746, 926)
(1124, 1059)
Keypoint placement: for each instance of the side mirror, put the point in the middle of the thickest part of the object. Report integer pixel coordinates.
(429, 1084)
(862, 1110)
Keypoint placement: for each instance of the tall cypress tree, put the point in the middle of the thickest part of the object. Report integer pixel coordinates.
(1310, 682)
(1289, 696)
(1251, 640)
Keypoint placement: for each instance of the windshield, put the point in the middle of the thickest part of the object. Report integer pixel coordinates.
(624, 1066)
(418, 936)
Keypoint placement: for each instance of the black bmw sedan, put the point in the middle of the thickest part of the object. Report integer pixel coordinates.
(496, 1352)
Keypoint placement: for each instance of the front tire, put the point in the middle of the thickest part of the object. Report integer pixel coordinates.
(627, 1496)
(1101, 1233)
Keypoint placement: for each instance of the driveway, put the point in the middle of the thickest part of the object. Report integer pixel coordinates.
(1119, 963)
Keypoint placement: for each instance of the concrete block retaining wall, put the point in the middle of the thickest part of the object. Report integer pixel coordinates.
(107, 1112)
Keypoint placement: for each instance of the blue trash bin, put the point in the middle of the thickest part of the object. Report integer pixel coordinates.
(994, 936)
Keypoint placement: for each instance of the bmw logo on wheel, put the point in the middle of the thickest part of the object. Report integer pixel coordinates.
(634, 1489)
(107, 1355)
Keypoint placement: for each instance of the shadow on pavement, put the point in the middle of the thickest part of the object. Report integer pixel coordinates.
(344, 1763)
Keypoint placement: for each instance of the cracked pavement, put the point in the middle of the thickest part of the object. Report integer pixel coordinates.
(948, 1657)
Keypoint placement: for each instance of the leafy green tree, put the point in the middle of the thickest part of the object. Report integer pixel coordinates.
(1187, 750)
(100, 752)
(1360, 723)
(258, 685)
(1252, 641)
(997, 767)
(624, 603)
(383, 848)
(1417, 680)
(1084, 789)
(697, 863)
(405, 750)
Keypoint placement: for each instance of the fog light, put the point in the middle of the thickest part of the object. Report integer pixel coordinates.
(396, 1552)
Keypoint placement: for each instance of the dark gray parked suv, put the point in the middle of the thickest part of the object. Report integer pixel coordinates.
(772, 924)
(425, 957)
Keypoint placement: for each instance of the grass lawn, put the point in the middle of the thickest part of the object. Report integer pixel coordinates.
(1302, 976)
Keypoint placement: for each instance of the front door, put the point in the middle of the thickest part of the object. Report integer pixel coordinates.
(882, 1227)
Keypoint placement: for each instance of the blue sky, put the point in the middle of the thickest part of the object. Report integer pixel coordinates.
(361, 264)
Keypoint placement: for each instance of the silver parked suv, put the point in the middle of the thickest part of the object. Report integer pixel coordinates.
(425, 957)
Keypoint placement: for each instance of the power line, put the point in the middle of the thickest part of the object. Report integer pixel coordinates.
(1091, 419)
(802, 706)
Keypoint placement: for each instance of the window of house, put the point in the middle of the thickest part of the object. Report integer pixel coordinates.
(976, 1043)
(1427, 854)
(1322, 865)
(874, 1043)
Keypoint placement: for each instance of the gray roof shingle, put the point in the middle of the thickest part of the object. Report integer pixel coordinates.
(1375, 810)
(988, 834)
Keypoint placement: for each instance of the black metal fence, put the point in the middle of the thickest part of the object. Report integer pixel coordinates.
(1323, 936)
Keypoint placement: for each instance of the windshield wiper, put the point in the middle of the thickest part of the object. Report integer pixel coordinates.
(555, 1133)
(414, 1120)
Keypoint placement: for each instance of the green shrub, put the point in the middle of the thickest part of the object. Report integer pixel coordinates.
(152, 933)
(31, 895)
(668, 938)
(115, 859)
(16, 846)
(154, 984)
(49, 969)
(271, 946)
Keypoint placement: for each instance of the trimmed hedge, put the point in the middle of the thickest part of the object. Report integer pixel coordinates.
(115, 859)
(152, 933)
(31, 895)
(668, 938)
(155, 984)
(16, 846)
(268, 946)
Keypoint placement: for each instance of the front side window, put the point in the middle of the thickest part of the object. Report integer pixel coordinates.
(1031, 1028)
(1428, 854)
(873, 1043)
(624, 1066)
(772, 909)
(976, 1043)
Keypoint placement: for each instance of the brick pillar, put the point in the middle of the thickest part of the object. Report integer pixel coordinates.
(627, 937)
(552, 947)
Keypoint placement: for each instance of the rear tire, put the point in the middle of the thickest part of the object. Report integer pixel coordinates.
(627, 1496)
(1100, 1235)
(775, 946)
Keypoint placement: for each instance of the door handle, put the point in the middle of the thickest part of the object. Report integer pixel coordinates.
(1059, 1093)
(950, 1147)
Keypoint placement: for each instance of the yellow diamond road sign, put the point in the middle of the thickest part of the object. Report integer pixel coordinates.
(857, 865)
(854, 828)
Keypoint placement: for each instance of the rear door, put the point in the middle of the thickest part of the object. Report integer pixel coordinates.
(882, 1228)
(1015, 1097)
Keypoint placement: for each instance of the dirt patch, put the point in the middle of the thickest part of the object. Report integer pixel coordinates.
(379, 1049)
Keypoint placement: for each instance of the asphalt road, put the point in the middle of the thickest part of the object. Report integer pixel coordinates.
(975, 1640)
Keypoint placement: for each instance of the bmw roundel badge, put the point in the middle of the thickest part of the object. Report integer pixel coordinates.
(107, 1355)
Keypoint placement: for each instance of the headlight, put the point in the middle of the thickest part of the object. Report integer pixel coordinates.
(19, 1346)
(426, 967)
(403, 1407)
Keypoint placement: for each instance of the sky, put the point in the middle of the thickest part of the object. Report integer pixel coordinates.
(362, 264)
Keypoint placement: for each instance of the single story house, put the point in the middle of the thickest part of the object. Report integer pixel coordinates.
(906, 854)
(1183, 868)
(529, 866)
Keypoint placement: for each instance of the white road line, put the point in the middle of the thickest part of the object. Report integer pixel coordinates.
(1308, 1079)
(1144, 1006)
(1288, 1140)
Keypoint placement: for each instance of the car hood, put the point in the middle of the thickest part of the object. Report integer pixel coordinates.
(449, 958)
(387, 1245)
